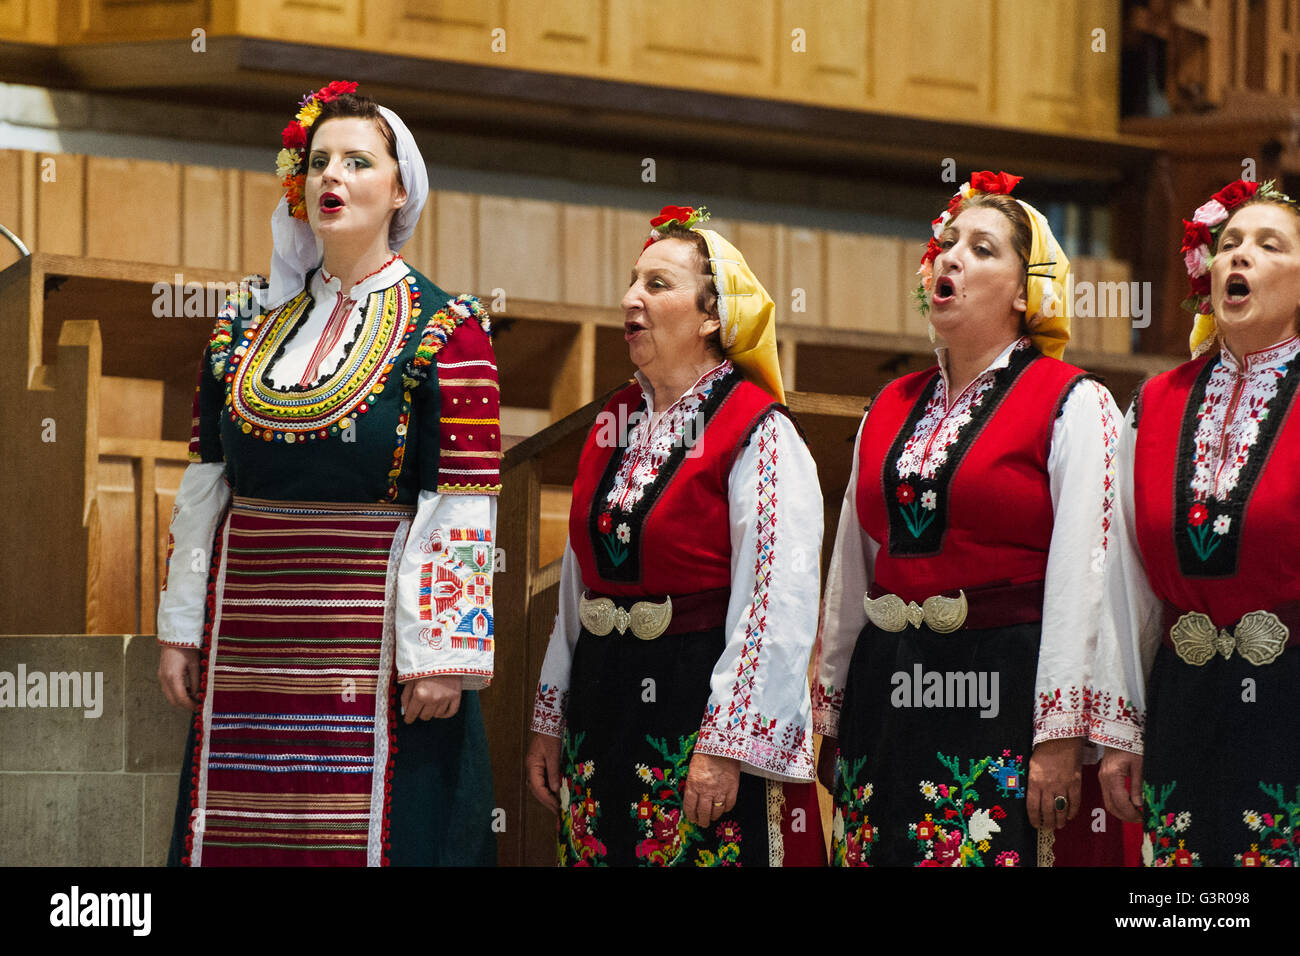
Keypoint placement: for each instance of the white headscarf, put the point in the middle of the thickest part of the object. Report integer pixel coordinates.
(297, 250)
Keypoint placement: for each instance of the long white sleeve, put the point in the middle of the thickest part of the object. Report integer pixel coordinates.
(842, 613)
(201, 502)
(759, 710)
(1131, 621)
(1081, 470)
(553, 686)
(444, 614)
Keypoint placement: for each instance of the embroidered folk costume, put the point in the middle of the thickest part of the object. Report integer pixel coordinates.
(960, 607)
(688, 591)
(333, 538)
(1202, 600)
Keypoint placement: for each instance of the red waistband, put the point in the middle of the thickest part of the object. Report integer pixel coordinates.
(994, 605)
(1288, 614)
(701, 611)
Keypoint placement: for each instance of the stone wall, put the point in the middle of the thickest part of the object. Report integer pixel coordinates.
(80, 790)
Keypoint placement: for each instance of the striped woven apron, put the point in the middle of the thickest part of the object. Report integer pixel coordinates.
(294, 750)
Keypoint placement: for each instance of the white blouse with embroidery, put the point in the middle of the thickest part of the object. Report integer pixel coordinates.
(1081, 471)
(759, 711)
(312, 354)
(1237, 397)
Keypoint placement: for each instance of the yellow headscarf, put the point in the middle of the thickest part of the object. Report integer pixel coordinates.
(1048, 307)
(746, 311)
(748, 316)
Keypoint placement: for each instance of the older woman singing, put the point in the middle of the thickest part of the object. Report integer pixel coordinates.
(962, 599)
(1203, 605)
(672, 716)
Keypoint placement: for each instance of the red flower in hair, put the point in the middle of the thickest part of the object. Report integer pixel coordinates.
(294, 136)
(682, 214)
(333, 91)
(1234, 194)
(1200, 284)
(931, 250)
(987, 182)
(1195, 235)
(956, 200)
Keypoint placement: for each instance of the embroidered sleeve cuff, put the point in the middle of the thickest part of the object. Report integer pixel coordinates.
(471, 679)
(187, 646)
(1059, 725)
(826, 722)
(548, 710)
(826, 709)
(777, 756)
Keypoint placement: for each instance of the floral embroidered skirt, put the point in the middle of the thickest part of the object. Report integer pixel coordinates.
(1221, 774)
(935, 736)
(633, 714)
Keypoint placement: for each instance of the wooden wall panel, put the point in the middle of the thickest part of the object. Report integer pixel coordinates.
(455, 240)
(519, 248)
(836, 65)
(1048, 73)
(259, 194)
(941, 60)
(139, 19)
(718, 46)
(130, 407)
(582, 231)
(447, 29)
(208, 227)
(117, 588)
(862, 282)
(803, 267)
(333, 22)
(1115, 333)
(569, 36)
(133, 210)
(60, 204)
(14, 19)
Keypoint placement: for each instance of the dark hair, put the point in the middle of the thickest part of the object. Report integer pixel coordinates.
(362, 107)
(706, 295)
(1022, 234)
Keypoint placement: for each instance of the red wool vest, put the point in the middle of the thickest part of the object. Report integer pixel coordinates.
(991, 520)
(678, 536)
(1252, 567)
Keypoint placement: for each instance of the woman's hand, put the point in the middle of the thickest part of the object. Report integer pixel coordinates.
(178, 672)
(1055, 769)
(1123, 796)
(826, 762)
(542, 766)
(711, 786)
(431, 697)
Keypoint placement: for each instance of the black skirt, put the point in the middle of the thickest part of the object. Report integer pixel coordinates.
(934, 742)
(1221, 774)
(633, 715)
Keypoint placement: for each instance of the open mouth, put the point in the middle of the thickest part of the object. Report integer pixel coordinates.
(330, 201)
(630, 329)
(943, 289)
(1238, 289)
